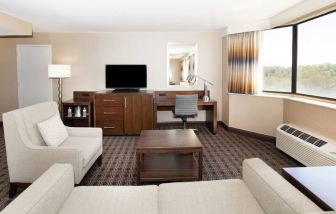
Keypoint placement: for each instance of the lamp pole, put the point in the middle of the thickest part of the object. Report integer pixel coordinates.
(60, 94)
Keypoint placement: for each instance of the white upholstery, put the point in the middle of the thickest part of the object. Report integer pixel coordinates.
(261, 191)
(53, 131)
(27, 154)
(47, 194)
(273, 192)
(89, 145)
(108, 199)
(215, 197)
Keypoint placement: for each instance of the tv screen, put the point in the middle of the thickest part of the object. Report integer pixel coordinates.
(126, 76)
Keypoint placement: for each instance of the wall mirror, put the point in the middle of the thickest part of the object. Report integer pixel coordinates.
(182, 62)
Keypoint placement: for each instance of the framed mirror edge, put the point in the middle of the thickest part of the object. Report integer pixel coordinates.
(169, 44)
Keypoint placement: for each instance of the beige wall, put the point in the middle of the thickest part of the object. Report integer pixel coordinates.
(89, 52)
(319, 119)
(255, 113)
(225, 97)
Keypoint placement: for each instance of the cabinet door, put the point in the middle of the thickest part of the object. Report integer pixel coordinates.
(147, 112)
(132, 114)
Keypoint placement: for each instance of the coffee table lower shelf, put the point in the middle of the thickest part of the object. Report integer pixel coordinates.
(168, 167)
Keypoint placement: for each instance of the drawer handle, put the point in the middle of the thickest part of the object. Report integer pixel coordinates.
(109, 127)
(109, 100)
(109, 112)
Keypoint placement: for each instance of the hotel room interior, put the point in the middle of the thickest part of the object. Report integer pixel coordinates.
(167, 107)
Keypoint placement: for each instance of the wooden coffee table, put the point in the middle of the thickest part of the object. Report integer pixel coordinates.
(169, 155)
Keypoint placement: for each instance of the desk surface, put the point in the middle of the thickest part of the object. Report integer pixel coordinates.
(171, 102)
(317, 183)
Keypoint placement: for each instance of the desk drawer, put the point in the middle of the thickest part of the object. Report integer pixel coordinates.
(109, 113)
(111, 127)
(109, 100)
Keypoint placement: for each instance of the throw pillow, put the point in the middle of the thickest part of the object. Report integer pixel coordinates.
(53, 131)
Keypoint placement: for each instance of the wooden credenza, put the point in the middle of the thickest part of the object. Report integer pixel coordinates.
(119, 113)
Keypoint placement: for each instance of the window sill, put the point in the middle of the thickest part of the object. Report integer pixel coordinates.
(298, 98)
(301, 98)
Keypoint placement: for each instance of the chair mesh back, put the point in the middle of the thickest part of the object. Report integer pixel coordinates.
(186, 105)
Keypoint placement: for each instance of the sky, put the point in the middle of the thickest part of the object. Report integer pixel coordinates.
(316, 43)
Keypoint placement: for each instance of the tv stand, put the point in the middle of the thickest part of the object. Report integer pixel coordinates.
(126, 90)
(123, 113)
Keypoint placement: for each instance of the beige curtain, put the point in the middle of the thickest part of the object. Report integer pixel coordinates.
(243, 57)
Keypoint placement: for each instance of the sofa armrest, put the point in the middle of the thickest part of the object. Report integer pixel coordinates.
(42, 157)
(85, 132)
(272, 191)
(47, 194)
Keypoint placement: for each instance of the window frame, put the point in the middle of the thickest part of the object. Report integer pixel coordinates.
(295, 57)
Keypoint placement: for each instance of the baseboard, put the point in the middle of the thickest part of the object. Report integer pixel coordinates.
(252, 134)
(230, 129)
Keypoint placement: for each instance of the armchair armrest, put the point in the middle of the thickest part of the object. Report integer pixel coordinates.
(84, 132)
(42, 157)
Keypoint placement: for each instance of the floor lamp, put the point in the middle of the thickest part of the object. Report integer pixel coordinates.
(59, 71)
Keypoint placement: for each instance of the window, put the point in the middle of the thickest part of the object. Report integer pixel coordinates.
(312, 68)
(276, 57)
(316, 70)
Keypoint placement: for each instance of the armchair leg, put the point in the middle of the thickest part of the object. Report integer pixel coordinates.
(100, 160)
(12, 189)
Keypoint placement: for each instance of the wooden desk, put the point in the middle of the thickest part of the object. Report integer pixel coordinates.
(317, 183)
(165, 101)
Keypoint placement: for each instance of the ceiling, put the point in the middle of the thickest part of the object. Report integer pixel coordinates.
(141, 15)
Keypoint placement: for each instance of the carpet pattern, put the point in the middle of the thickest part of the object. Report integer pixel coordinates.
(223, 154)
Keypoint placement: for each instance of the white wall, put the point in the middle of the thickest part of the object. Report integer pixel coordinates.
(89, 52)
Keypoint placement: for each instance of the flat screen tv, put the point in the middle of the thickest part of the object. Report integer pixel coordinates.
(126, 76)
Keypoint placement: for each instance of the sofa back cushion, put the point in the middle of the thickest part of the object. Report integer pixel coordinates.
(274, 194)
(47, 194)
(28, 117)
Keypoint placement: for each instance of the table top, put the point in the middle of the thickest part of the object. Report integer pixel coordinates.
(168, 140)
(318, 181)
(171, 102)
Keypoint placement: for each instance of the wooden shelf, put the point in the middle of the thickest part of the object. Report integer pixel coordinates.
(76, 118)
(169, 167)
(82, 99)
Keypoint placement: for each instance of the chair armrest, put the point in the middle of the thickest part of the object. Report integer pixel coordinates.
(47, 194)
(84, 132)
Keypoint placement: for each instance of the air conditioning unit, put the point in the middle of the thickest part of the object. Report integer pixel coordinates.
(308, 148)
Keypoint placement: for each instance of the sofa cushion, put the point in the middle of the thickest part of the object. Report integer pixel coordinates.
(215, 197)
(53, 130)
(89, 145)
(108, 199)
(28, 117)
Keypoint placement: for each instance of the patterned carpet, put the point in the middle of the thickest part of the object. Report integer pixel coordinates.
(222, 158)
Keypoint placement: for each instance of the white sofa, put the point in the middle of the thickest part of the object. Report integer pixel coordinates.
(27, 154)
(261, 190)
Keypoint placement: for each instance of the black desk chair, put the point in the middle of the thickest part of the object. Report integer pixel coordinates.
(185, 107)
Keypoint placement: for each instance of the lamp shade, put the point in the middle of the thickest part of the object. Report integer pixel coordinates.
(59, 71)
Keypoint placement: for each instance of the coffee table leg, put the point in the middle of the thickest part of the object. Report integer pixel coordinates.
(200, 164)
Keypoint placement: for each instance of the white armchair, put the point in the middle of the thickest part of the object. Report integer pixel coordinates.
(28, 157)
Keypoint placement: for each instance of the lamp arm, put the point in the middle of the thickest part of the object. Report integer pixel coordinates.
(205, 81)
